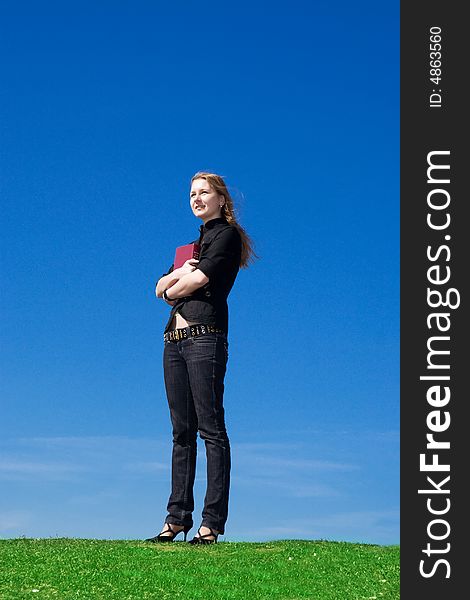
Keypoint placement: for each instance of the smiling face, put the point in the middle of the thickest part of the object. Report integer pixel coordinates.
(205, 202)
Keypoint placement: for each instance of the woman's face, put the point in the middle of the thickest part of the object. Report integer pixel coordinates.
(205, 202)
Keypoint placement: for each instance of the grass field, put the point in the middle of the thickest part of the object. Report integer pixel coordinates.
(133, 570)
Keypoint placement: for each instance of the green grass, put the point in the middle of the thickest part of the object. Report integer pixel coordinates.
(135, 570)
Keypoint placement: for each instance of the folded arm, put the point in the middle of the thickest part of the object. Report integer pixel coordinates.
(166, 281)
(173, 276)
(187, 284)
(194, 274)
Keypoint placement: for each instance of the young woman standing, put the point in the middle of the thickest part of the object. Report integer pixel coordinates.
(195, 358)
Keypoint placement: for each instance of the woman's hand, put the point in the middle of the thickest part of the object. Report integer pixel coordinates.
(188, 267)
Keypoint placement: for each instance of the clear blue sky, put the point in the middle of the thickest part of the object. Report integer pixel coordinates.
(107, 110)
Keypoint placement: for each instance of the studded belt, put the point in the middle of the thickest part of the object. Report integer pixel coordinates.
(175, 335)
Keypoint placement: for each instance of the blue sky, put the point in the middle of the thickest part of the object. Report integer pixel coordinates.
(107, 112)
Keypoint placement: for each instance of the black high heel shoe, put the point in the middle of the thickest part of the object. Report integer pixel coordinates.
(202, 539)
(169, 538)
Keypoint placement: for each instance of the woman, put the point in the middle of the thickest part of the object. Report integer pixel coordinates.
(195, 357)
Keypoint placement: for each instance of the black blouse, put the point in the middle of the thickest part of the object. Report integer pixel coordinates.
(219, 260)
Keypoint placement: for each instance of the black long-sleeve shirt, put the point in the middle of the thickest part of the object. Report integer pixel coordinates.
(219, 260)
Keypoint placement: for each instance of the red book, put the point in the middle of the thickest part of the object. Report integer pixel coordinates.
(183, 253)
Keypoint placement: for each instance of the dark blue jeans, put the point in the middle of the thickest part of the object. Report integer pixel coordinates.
(194, 371)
